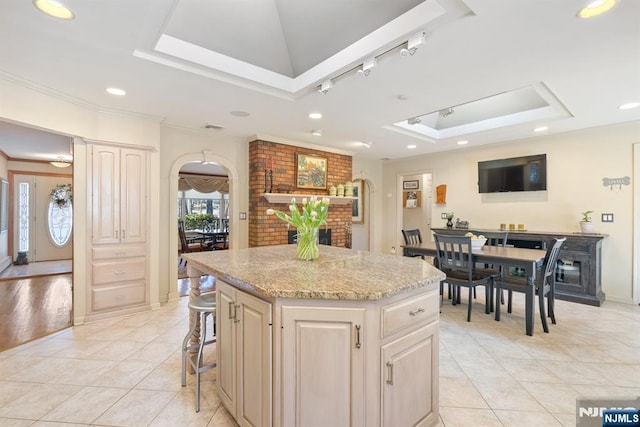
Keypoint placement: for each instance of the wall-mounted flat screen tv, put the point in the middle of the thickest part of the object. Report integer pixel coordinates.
(527, 173)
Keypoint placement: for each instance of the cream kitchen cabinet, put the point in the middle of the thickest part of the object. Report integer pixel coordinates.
(323, 366)
(409, 399)
(118, 186)
(244, 355)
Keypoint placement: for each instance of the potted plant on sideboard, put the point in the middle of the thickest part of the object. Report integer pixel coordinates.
(586, 226)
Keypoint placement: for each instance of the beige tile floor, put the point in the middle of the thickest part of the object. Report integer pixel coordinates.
(126, 371)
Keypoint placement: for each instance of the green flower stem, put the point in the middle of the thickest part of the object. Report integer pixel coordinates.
(307, 244)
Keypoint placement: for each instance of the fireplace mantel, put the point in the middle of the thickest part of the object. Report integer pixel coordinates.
(285, 198)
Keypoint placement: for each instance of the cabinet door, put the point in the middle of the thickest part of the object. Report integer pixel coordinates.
(410, 379)
(133, 195)
(253, 361)
(225, 345)
(322, 367)
(105, 195)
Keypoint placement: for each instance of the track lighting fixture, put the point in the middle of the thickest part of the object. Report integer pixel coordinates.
(446, 113)
(414, 120)
(412, 44)
(325, 86)
(367, 65)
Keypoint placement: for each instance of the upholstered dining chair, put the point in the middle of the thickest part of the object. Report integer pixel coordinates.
(456, 261)
(545, 285)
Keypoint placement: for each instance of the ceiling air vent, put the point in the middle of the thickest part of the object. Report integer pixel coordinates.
(210, 126)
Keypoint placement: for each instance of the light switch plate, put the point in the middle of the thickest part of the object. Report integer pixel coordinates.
(443, 216)
(607, 217)
(243, 215)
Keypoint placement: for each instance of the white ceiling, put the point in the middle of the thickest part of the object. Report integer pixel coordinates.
(473, 49)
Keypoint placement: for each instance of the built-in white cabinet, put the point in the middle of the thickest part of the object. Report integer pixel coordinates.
(409, 399)
(117, 183)
(323, 366)
(244, 355)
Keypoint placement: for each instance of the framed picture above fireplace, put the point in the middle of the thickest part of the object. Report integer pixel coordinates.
(311, 172)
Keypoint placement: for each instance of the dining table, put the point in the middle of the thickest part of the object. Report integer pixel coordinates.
(524, 260)
(214, 236)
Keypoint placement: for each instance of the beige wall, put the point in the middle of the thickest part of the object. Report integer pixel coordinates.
(576, 163)
(5, 260)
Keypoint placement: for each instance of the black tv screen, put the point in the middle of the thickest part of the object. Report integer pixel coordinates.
(527, 173)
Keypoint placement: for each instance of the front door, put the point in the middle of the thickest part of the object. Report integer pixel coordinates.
(32, 196)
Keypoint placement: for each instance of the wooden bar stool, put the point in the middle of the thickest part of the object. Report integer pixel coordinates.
(200, 307)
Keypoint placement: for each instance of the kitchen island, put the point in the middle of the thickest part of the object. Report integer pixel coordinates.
(350, 339)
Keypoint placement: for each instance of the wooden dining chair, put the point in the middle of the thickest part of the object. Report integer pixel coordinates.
(545, 285)
(413, 237)
(455, 259)
(187, 245)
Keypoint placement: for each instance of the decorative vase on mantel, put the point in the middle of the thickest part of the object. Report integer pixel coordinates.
(308, 244)
(449, 223)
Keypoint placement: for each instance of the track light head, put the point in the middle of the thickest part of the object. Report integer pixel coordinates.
(367, 65)
(414, 120)
(412, 44)
(325, 86)
(446, 113)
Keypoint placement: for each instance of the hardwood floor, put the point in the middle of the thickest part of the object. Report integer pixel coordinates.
(33, 307)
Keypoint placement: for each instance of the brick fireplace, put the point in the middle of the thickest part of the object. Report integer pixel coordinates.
(266, 229)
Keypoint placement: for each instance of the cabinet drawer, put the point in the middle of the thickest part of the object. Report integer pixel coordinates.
(576, 245)
(410, 311)
(119, 251)
(119, 271)
(106, 297)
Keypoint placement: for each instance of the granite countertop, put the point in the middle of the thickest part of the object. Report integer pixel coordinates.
(339, 273)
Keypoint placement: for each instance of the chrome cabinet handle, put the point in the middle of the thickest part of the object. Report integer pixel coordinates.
(124, 236)
(116, 234)
(232, 311)
(390, 373)
(358, 344)
(415, 313)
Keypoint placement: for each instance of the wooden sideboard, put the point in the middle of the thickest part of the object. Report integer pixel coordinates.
(579, 273)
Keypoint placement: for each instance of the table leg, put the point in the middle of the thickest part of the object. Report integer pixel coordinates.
(529, 305)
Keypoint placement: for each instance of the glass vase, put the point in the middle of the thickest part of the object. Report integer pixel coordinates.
(308, 245)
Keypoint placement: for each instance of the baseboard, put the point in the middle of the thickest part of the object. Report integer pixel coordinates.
(4, 263)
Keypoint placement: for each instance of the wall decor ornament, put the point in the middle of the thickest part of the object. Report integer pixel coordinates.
(62, 194)
(610, 182)
(411, 185)
(311, 172)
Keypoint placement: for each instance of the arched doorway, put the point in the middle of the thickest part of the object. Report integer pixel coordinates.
(203, 158)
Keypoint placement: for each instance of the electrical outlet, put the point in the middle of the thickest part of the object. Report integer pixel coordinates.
(607, 217)
(443, 216)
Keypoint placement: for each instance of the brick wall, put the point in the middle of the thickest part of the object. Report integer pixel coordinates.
(266, 229)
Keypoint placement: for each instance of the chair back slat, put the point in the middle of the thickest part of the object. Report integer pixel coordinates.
(454, 253)
(412, 237)
(551, 259)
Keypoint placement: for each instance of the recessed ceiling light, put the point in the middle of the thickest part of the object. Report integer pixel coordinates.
(239, 114)
(411, 147)
(540, 128)
(116, 91)
(629, 105)
(315, 116)
(317, 132)
(54, 8)
(596, 8)
(463, 142)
